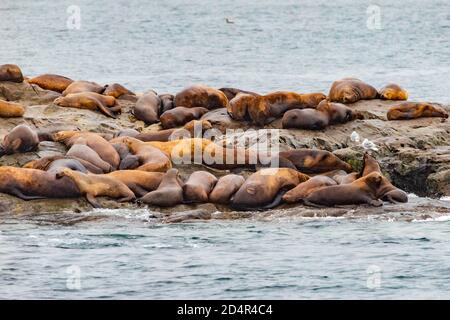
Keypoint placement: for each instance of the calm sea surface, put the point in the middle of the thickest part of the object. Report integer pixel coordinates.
(272, 45)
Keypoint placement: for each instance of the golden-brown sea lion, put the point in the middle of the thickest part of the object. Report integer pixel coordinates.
(238, 106)
(393, 92)
(11, 109)
(139, 182)
(414, 110)
(83, 86)
(232, 92)
(304, 189)
(29, 184)
(98, 185)
(167, 102)
(169, 192)
(116, 90)
(147, 107)
(198, 186)
(47, 163)
(315, 161)
(180, 116)
(194, 128)
(264, 188)
(362, 191)
(20, 139)
(91, 101)
(94, 141)
(350, 90)
(10, 72)
(80, 150)
(225, 188)
(201, 96)
(51, 82)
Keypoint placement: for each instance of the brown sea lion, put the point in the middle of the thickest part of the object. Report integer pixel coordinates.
(91, 101)
(338, 112)
(29, 184)
(80, 150)
(127, 133)
(116, 90)
(238, 107)
(167, 102)
(10, 72)
(11, 109)
(46, 163)
(198, 186)
(51, 82)
(232, 92)
(139, 182)
(264, 188)
(192, 129)
(97, 143)
(83, 86)
(315, 161)
(350, 90)
(387, 191)
(20, 139)
(147, 107)
(304, 189)
(393, 92)
(362, 191)
(225, 188)
(169, 192)
(414, 110)
(98, 185)
(128, 161)
(201, 96)
(346, 178)
(180, 116)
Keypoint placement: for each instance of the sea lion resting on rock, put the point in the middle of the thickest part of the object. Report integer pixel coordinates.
(53, 163)
(11, 109)
(93, 185)
(11, 72)
(201, 96)
(139, 182)
(198, 186)
(51, 82)
(91, 101)
(29, 184)
(147, 108)
(232, 92)
(413, 110)
(325, 114)
(169, 192)
(20, 139)
(97, 143)
(167, 102)
(180, 115)
(192, 129)
(83, 86)
(128, 161)
(81, 150)
(350, 90)
(393, 92)
(263, 189)
(304, 189)
(116, 90)
(314, 161)
(225, 188)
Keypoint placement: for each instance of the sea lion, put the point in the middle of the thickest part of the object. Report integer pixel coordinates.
(314, 161)
(232, 92)
(225, 188)
(194, 128)
(264, 188)
(81, 150)
(30, 184)
(72, 164)
(46, 163)
(361, 191)
(198, 186)
(147, 107)
(94, 141)
(393, 92)
(11, 109)
(83, 86)
(338, 112)
(51, 82)
(11, 72)
(91, 101)
(116, 90)
(167, 102)
(201, 96)
(98, 185)
(128, 161)
(346, 178)
(414, 110)
(139, 182)
(180, 116)
(20, 139)
(238, 106)
(169, 192)
(127, 133)
(304, 189)
(151, 159)
(350, 90)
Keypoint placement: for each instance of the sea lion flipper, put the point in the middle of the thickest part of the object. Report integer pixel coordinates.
(105, 109)
(91, 199)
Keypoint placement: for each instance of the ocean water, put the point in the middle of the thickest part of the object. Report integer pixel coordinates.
(272, 45)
